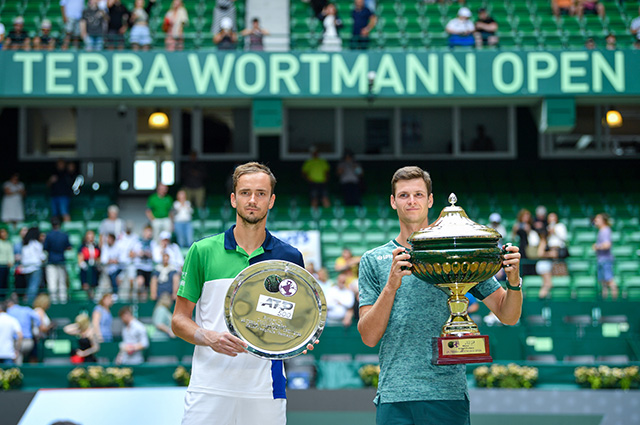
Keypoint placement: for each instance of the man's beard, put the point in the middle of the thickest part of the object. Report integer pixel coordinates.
(251, 219)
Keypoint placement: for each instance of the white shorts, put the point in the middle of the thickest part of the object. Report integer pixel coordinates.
(201, 408)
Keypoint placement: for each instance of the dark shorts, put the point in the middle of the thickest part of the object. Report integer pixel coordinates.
(318, 190)
(605, 270)
(146, 275)
(436, 412)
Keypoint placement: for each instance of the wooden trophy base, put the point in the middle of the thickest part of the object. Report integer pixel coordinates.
(449, 350)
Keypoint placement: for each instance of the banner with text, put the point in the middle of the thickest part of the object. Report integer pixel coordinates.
(192, 75)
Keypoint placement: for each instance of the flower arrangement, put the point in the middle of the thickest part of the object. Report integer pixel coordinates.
(99, 377)
(510, 376)
(10, 379)
(182, 376)
(370, 374)
(603, 377)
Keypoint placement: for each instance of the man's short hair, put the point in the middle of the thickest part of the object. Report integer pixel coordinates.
(250, 168)
(124, 310)
(409, 173)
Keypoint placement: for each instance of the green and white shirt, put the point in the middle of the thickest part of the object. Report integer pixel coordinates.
(211, 266)
(418, 313)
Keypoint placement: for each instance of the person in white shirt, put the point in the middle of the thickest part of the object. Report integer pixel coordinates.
(110, 257)
(32, 259)
(165, 246)
(182, 216)
(10, 337)
(134, 339)
(71, 15)
(340, 301)
(635, 29)
(111, 224)
(461, 29)
(2, 31)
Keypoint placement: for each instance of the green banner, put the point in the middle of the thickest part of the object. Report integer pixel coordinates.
(192, 75)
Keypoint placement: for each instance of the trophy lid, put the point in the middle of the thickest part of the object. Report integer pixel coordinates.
(452, 228)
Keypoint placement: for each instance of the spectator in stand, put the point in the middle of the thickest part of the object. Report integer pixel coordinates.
(316, 171)
(40, 306)
(140, 36)
(340, 302)
(93, 26)
(348, 263)
(486, 28)
(331, 41)
(126, 246)
(552, 251)
(161, 319)
(590, 44)
(540, 221)
(605, 258)
(165, 279)
(60, 184)
(144, 259)
(102, 319)
(2, 34)
(44, 41)
(612, 43)
(134, 339)
(71, 16)
(18, 38)
(88, 344)
(363, 22)
(31, 260)
(224, 9)
(7, 259)
(159, 213)
(175, 20)
(461, 29)
(20, 280)
(112, 224)
(495, 222)
(56, 243)
(563, 7)
(183, 215)
(318, 6)
(118, 24)
(324, 280)
(226, 38)
(350, 175)
(10, 337)
(528, 240)
(28, 320)
(590, 7)
(13, 200)
(88, 262)
(110, 256)
(256, 33)
(634, 28)
(166, 246)
(194, 175)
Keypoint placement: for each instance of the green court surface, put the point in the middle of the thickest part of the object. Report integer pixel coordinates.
(367, 418)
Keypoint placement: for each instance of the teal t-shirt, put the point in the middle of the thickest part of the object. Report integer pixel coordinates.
(418, 313)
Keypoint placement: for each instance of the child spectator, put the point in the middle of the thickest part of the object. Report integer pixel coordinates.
(611, 42)
(461, 29)
(44, 41)
(92, 26)
(255, 34)
(486, 27)
(18, 39)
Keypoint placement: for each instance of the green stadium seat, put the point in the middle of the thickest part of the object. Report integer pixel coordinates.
(561, 289)
(585, 287)
(531, 286)
(624, 267)
(579, 266)
(631, 287)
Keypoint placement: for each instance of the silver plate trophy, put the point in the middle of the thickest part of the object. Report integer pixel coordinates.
(277, 308)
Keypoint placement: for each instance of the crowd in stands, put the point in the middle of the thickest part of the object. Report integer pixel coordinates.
(112, 24)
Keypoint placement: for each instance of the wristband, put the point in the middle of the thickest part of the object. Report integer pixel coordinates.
(515, 288)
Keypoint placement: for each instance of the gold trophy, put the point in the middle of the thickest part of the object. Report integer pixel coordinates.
(455, 254)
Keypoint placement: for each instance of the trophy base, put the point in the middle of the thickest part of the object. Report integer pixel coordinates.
(449, 350)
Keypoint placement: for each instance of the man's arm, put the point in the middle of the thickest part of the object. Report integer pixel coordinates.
(374, 318)
(184, 327)
(507, 305)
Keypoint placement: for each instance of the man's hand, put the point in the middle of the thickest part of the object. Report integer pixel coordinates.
(400, 267)
(220, 342)
(310, 347)
(512, 264)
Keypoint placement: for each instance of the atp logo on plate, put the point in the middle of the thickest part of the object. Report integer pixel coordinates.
(275, 307)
